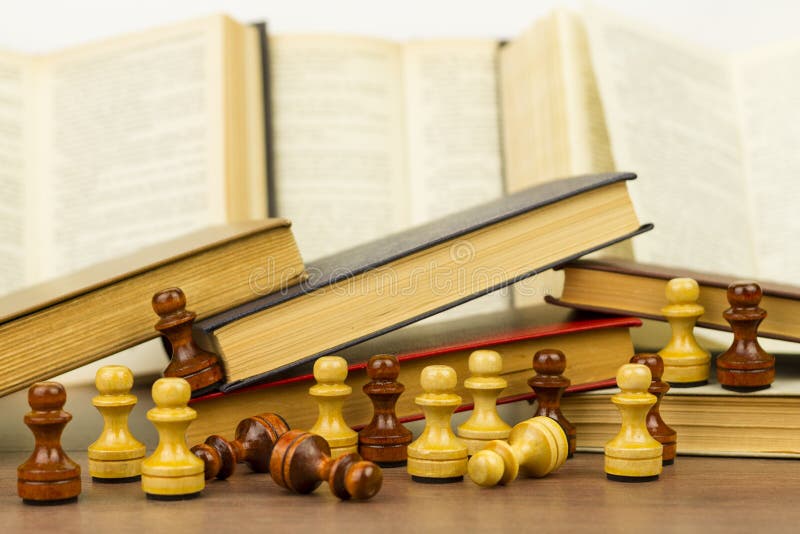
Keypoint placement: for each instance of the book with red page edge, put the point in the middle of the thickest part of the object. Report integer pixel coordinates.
(553, 322)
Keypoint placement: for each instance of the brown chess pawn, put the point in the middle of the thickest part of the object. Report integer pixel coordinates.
(549, 384)
(48, 476)
(384, 440)
(198, 367)
(655, 424)
(301, 461)
(255, 437)
(745, 365)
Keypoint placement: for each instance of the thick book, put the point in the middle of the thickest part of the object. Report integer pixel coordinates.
(380, 286)
(111, 146)
(630, 288)
(595, 347)
(709, 420)
(63, 324)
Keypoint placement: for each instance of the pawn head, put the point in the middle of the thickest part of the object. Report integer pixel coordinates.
(330, 370)
(438, 379)
(171, 392)
(486, 468)
(47, 396)
(169, 301)
(383, 367)
(652, 361)
(363, 480)
(744, 294)
(634, 378)
(485, 363)
(113, 380)
(682, 291)
(549, 362)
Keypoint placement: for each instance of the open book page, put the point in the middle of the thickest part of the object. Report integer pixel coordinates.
(769, 92)
(133, 144)
(339, 139)
(672, 116)
(15, 82)
(452, 121)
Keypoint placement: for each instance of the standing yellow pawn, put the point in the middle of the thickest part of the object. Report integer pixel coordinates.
(633, 455)
(437, 456)
(536, 447)
(116, 456)
(330, 391)
(485, 385)
(172, 472)
(686, 363)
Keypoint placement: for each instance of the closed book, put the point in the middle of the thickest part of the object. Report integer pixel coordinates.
(60, 325)
(595, 346)
(380, 286)
(630, 288)
(709, 420)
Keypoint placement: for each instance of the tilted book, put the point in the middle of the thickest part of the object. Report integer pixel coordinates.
(630, 288)
(380, 286)
(60, 325)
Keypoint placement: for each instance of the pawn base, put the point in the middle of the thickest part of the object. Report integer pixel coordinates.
(431, 480)
(185, 497)
(33, 502)
(120, 480)
(668, 462)
(623, 478)
(747, 379)
(390, 465)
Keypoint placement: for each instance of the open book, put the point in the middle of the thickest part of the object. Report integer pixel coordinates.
(109, 147)
(373, 135)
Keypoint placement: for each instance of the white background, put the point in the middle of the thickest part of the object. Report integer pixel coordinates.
(39, 26)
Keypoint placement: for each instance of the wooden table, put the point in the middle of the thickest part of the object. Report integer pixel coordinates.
(694, 495)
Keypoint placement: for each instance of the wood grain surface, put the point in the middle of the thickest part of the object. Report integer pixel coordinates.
(697, 494)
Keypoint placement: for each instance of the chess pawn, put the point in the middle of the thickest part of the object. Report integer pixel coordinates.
(535, 448)
(437, 456)
(116, 456)
(686, 363)
(301, 461)
(485, 385)
(48, 476)
(549, 384)
(172, 472)
(330, 391)
(745, 365)
(255, 438)
(384, 440)
(198, 367)
(633, 455)
(655, 424)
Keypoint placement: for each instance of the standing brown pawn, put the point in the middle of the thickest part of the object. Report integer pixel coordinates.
(255, 437)
(549, 384)
(745, 365)
(49, 476)
(198, 367)
(655, 424)
(384, 440)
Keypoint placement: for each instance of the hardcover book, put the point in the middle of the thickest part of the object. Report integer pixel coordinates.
(378, 287)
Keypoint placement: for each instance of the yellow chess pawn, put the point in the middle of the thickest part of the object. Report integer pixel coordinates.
(437, 456)
(535, 448)
(330, 391)
(485, 385)
(633, 455)
(685, 362)
(116, 456)
(172, 471)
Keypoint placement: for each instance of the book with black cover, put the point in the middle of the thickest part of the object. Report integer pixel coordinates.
(490, 246)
